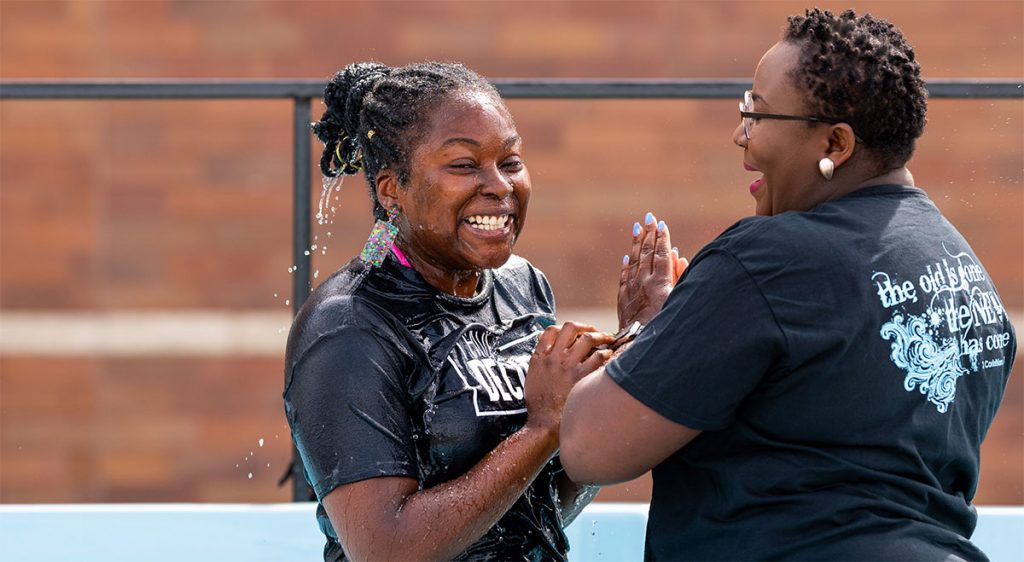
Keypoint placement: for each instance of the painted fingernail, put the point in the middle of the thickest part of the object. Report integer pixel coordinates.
(649, 218)
(625, 259)
(675, 250)
(636, 229)
(661, 226)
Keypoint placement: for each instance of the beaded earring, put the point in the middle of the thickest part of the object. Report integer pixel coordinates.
(381, 238)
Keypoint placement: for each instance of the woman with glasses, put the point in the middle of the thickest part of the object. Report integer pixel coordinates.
(818, 384)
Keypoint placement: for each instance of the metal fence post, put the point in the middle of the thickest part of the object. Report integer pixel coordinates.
(301, 256)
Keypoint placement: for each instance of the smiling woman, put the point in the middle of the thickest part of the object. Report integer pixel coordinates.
(819, 383)
(406, 383)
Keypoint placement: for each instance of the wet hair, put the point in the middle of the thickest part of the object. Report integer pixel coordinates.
(860, 70)
(376, 115)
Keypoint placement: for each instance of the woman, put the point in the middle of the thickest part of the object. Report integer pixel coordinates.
(406, 386)
(818, 384)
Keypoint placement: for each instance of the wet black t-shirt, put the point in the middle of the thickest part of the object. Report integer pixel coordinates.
(844, 365)
(387, 376)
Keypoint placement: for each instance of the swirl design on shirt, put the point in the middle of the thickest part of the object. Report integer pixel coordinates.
(931, 367)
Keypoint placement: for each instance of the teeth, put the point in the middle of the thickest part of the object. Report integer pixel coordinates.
(488, 222)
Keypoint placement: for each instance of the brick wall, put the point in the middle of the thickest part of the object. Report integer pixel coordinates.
(184, 206)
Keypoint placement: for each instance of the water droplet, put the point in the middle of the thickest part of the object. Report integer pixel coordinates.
(250, 476)
(275, 295)
(260, 441)
(286, 301)
(316, 274)
(306, 252)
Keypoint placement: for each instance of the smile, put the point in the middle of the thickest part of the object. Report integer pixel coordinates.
(490, 222)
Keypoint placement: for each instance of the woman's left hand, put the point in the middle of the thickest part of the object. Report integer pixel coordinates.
(649, 271)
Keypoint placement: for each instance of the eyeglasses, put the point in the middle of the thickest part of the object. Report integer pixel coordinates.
(747, 115)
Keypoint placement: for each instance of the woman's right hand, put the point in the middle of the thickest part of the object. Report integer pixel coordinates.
(649, 272)
(562, 357)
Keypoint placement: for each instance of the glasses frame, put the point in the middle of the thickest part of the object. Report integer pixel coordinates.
(746, 117)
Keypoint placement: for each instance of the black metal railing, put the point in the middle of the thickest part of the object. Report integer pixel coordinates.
(303, 91)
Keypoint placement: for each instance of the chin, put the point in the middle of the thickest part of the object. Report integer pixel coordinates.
(494, 258)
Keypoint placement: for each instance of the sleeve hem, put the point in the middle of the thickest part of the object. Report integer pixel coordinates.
(327, 485)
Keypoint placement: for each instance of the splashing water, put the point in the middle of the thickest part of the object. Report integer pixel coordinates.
(329, 184)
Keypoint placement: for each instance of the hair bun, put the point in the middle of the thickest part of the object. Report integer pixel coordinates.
(338, 127)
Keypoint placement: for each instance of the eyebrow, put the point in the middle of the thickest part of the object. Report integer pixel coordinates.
(460, 140)
(757, 97)
(465, 140)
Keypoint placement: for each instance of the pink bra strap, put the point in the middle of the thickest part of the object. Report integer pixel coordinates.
(401, 257)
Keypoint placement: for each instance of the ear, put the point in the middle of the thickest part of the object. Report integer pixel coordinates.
(841, 142)
(387, 188)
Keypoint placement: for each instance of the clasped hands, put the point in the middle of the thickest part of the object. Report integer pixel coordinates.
(565, 354)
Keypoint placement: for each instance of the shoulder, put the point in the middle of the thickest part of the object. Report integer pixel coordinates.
(341, 303)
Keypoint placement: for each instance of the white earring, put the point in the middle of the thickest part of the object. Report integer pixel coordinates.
(827, 167)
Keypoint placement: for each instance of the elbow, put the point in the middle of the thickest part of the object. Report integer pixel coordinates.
(584, 469)
(396, 549)
(573, 446)
(570, 455)
(587, 443)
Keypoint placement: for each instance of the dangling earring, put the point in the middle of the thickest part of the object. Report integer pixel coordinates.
(827, 167)
(381, 238)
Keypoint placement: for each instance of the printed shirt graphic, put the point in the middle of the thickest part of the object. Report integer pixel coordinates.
(947, 321)
(386, 376)
(844, 365)
(495, 372)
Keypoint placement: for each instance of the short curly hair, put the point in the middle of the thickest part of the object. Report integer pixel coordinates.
(375, 115)
(860, 70)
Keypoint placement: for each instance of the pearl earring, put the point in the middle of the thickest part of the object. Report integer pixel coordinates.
(827, 167)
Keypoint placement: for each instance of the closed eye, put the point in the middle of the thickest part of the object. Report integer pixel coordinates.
(513, 165)
(462, 166)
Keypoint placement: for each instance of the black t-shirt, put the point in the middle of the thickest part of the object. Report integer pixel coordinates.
(844, 365)
(387, 376)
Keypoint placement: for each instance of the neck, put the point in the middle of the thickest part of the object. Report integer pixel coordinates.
(897, 176)
(461, 283)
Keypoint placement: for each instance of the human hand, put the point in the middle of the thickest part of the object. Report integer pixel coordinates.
(563, 356)
(649, 271)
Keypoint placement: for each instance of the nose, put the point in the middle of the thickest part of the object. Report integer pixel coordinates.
(739, 137)
(496, 184)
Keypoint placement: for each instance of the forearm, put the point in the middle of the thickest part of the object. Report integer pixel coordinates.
(440, 522)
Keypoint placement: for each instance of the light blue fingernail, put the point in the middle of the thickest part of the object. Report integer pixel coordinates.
(636, 229)
(649, 218)
(661, 226)
(676, 250)
(625, 259)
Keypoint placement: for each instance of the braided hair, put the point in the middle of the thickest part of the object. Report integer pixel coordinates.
(860, 70)
(376, 115)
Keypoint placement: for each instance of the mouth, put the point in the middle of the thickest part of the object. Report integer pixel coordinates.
(491, 225)
(755, 185)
